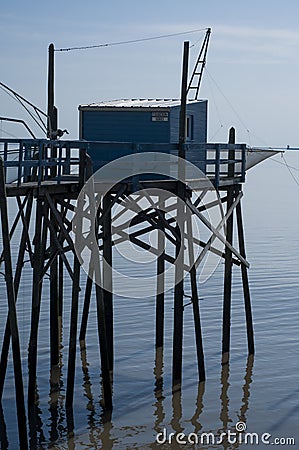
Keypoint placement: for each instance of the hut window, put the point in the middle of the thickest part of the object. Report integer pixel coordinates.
(189, 127)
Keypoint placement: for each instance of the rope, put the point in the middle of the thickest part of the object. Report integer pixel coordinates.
(283, 164)
(132, 41)
(289, 169)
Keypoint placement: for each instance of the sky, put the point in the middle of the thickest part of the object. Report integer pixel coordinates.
(252, 68)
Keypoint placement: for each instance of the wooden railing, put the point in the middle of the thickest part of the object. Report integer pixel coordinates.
(40, 160)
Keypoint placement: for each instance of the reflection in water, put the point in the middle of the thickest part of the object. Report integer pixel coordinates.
(224, 397)
(99, 434)
(104, 437)
(199, 407)
(56, 398)
(224, 413)
(158, 372)
(36, 434)
(56, 410)
(246, 388)
(176, 412)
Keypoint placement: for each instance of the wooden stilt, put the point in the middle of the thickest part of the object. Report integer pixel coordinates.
(179, 264)
(17, 278)
(197, 325)
(40, 238)
(178, 319)
(107, 393)
(73, 335)
(3, 434)
(228, 261)
(19, 390)
(54, 344)
(60, 286)
(246, 291)
(195, 304)
(160, 289)
(85, 313)
(107, 277)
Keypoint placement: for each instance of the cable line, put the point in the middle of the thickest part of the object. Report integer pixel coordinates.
(132, 41)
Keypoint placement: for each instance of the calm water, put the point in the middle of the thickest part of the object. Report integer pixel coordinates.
(263, 392)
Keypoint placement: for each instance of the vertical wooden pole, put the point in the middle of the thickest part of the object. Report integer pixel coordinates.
(160, 288)
(60, 286)
(246, 291)
(51, 110)
(73, 335)
(85, 313)
(178, 317)
(17, 278)
(40, 237)
(12, 314)
(3, 434)
(195, 305)
(107, 276)
(228, 261)
(54, 341)
(179, 264)
(107, 392)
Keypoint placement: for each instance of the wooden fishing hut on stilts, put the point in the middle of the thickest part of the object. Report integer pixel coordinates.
(50, 176)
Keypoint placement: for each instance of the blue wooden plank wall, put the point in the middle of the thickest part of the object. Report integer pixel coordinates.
(123, 126)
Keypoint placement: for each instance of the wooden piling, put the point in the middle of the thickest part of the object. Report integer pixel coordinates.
(73, 335)
(160, 288)
(40, 238)
(228, 260)
(3, 433)
(178, 317)
(195, 305)
(19, 389)
(179, 263)
(54, 312)
(17, 278)
(245, 282)
(107, 392)
(107, 276)
(86, 305)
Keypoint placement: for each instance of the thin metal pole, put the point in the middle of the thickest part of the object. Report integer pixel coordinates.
(19, 389)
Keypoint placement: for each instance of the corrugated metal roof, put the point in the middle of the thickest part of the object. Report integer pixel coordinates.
(138, 103)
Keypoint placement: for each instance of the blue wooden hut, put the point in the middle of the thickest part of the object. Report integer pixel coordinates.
(118, 128)
(142, 120)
